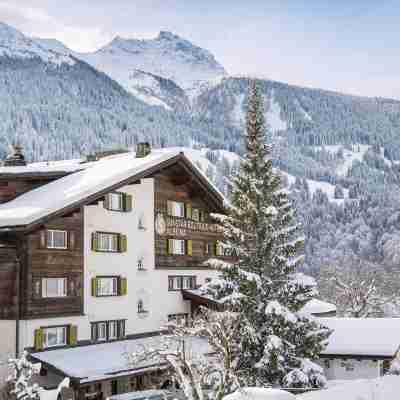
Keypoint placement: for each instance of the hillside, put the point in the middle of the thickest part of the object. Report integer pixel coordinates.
(339, 153)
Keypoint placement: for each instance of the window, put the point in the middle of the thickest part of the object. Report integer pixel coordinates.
(176, 246)
(102, 331)
(107, 286)
(116, 202)
(56, 336)
(209, 249)
(180, 319)
(54, 287)
(198, 215)
(140, 307)
(181, 282)
(176, 209)
(56, 239)
(142, 223)
(107, 242)
(108, 330)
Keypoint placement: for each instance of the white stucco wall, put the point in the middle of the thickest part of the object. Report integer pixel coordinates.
(7, 346)
(363, 369)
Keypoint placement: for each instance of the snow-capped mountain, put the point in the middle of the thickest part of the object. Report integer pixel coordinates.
(15, 44)
(133, 63)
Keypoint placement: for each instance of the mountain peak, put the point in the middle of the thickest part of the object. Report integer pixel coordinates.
(166, 35)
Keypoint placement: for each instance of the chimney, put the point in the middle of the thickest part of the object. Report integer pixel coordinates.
(16, 158)
(143, 149)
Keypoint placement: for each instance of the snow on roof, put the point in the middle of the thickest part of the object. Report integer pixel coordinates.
(316, 307)
(46, 167)
(256, 393)
(106, 360)
(384, 388)
(362, 336)
(88, 179)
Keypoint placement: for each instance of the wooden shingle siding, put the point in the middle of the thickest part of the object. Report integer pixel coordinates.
(8, 255)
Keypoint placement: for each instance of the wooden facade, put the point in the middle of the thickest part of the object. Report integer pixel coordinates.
(42, 262)
(8, 280)
(177, 185)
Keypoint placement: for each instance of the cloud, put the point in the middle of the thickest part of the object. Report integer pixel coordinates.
(34, 21)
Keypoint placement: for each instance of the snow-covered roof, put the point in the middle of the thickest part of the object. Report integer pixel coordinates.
(318, 307)
(367, 337)
(68, 190)
(106, 360)
(44, 167)
(257, 393)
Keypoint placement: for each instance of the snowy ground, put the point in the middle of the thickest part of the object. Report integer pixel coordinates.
(386, 388)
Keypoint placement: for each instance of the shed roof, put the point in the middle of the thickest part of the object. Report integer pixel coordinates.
(363, 337)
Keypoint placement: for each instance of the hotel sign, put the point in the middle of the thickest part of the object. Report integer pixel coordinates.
(174, 226)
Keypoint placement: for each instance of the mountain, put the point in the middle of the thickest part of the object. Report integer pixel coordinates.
(167, 58)
(339, 153)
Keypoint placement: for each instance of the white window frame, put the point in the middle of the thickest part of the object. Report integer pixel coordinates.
(60, 334)
(113, 330)
(109, 240)
(178, 247)
(103, 287)
(177, 209)
(50, 239)
(116, 201)
(101, 328)
(61, 290)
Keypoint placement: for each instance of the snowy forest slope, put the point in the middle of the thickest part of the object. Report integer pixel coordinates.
(339, 152)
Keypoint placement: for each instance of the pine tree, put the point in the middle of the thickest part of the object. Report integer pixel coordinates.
(262, 285)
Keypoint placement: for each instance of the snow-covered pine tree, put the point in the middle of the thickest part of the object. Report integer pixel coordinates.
(263, 285)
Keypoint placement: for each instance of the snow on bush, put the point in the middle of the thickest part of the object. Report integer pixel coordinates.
(253, 393)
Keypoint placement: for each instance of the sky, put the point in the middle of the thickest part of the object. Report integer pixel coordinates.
(351, 46)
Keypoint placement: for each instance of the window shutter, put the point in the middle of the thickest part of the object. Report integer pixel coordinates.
(95, 241)
(71, 240)
(170, 246)
(72, 335)
(43, 239)
(127, 202)
(120, 329)
(122, 243)
(94, 287)
(106, 202)
(170, 283)
(189, 247)
(94, 332)
(123, 287)
(39, 339)
(188, 210)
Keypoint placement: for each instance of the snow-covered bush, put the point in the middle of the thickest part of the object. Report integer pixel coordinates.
(394, 367)
(20, 379)
(309, 375)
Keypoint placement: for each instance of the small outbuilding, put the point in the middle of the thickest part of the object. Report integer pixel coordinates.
(360, 348)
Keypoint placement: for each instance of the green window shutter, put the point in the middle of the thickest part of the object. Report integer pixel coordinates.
(123, 287)
(72, 335)
(38, 339)
(189, 247)
(95, 241)
(170, 246)
(106, 203)
(127, 202)
(188, 210)
(94, 287)
(122, 243)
